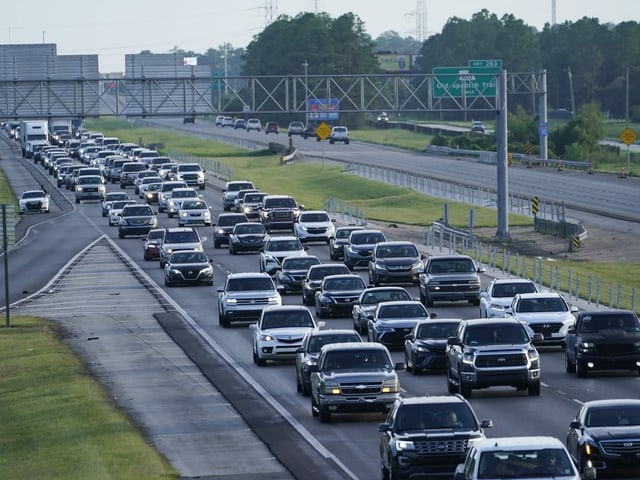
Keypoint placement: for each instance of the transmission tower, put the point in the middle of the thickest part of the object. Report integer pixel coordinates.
(270, 11)
(553, 12)
(420, 14)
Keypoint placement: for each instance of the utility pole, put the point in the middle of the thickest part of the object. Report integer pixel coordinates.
(573, 101)
(306, 89)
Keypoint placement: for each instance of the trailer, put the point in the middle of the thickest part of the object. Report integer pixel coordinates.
(33, 136)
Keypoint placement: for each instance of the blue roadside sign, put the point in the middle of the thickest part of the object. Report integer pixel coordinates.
(543, 129)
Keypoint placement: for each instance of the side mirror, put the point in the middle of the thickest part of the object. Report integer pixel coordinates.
(433, 315)
(537, 338)
(299, 350)
(571, 329)
(409, 337)
(400, 366)
(575, 424)
(453, 341)
(253, 326)
(383, 427)
(486, 424)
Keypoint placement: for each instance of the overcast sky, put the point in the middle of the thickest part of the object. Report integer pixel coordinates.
(113, 28)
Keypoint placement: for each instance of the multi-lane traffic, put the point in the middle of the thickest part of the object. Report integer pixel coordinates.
(353, 439)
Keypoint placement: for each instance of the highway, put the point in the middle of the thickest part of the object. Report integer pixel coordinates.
(353, 439)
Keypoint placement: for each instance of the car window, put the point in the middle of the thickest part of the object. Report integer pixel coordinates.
(495, 335)
(249, 284)
(299, 263)
(255, 228)
(437, 331)
(318, 341)
(314, 217)
(286, 319)
(357, 359)
(181, 237)
(140, 210)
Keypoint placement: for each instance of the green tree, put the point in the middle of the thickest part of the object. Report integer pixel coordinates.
(581, 134)
(390, 41)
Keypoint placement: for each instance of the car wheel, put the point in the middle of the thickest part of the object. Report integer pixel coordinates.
(384, 471)
(331, 142)
(121, 235)
(104, 214)
(581, 369)
(167, 283)
(475, 302)
(568, 366)
(314, 408)
(306, 390)
(463, 388)
(298, 383)
(77, 200)
(216, 244)
(407, 362)
(346, 142)
(324, 415)
(201, 187)
(224, 321)
(534, 389)
(451, 387)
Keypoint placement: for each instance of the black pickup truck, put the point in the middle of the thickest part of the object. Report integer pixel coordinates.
(607, 340)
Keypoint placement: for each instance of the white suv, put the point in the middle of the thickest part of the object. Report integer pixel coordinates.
(540, 457)
(314, 226)
(339, 134)
(253, 124)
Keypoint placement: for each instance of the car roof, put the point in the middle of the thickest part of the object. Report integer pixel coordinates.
(295, 308)
(431, 399)
(539, 295)
(179, 229)
(288, 238)
(431, 321)
(332, 331)
(385, 289)
(492, 321)
(395, 243)
(512, 280)
(354, 346)
(449, 257)
(343, 275)
(612, 402)
(517, 443)
(249, 275)
(400, 302)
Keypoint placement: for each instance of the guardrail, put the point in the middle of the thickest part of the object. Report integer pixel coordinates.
(492, 158)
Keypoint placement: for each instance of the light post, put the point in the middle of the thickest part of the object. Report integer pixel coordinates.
(226, 69)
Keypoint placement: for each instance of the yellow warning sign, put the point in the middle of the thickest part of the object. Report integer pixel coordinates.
(628, 136)
(323, 131)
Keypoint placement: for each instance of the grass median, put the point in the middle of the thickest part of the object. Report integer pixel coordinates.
(57, 421)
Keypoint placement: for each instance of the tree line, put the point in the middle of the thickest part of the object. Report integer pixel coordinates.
(586, 61)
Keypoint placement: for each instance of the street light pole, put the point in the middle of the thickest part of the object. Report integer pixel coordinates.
(226, 70)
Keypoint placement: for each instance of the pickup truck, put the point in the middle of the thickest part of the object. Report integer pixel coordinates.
(353, 377)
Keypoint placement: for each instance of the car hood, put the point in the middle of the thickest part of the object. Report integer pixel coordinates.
(342, 293)
(615, 335)
(353, 375)
(182, 246)
(433, 344)
(249, 236)
(497, 349)
(399, 322)
(437, 433)
(251, 294)
(315, 224)
(544, 317)
(398, 261)
(444, 277)
(615, 433)
(188, 266)
(283, 254)
(291, 333)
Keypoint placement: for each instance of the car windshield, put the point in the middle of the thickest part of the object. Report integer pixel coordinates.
(366, 238)
(229, 220)
(316, 342)
(190, 168)
(397, 251)
(344, 284)
(189, 236)
(184, 194)
(155, 234)
(116, 196)
(36, 194)
(253, 198)
(377, 296)
(620, 415)
(197, 205)
(302, 263)
(254, 228)
(283, 245)
(434, 416)
(514, 464)
(401, 311)
(436, 331)
(320, 273)
(89, 180)
(249, 284)
(498, 334)
(343, 232)
(137, 211)
(280, 203)
(506, 290)
(314, 217)
(549, 304)
(286, 319)
(188, 257)
(357, 360)
(452, 266)
(150, 180)
(607, 321)
(236, 187)
(120, 204)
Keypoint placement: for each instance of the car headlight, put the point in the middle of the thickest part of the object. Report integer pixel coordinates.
(220, 231)
(207, 271)
(231, 301)
(467, 358)
(275, 300)
(497, 307)
(330, 387)
(246, 209)
(123, 221)
(390, 385)
(379, 266)
(586, 346)
(174, 271)
(416, 267)
(384, 328)
(404, 445)
(420, 348)
(184, 214)
(265, 337)
(326, 299)
(78, 189)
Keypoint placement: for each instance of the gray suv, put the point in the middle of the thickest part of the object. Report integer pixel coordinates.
(353, 377)
(244, 296)
(450, 278)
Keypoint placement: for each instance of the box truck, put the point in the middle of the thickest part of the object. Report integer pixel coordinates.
(33, 136)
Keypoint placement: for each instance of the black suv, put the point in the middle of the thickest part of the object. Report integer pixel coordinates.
(313, 279)
(279, 212)
(359, 247)
(603, 341)
(490, 352)
(224, 226)
(450, 278)
(427, 436)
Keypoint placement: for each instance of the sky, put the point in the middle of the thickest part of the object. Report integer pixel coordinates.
(113, 28)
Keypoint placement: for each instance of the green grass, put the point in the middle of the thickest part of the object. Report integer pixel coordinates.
(58, 422)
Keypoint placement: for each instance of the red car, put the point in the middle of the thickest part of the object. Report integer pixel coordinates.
(151, 244)
(272, 127)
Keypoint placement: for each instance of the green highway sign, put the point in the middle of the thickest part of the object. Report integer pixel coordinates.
(469, 82)
(494, 63)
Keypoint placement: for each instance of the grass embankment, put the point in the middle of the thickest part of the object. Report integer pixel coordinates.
(57, 422)
(312, 185)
